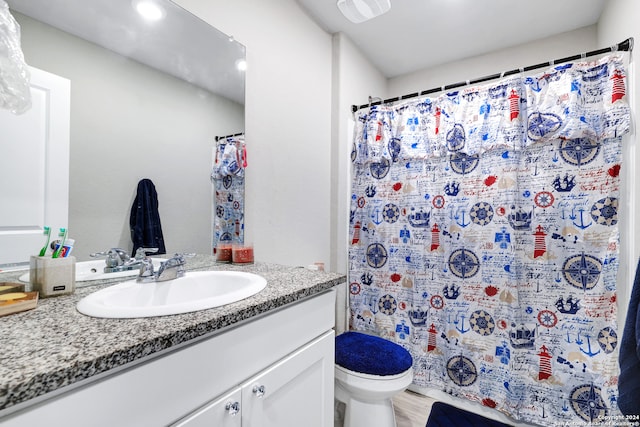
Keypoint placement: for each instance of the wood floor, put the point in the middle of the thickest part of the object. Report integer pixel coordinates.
(412, 409)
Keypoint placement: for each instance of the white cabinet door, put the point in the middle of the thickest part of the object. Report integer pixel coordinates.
(222, 412)
(297, 391)
(34, 168)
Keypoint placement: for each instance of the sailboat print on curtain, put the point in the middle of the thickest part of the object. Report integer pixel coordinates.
(484, 238)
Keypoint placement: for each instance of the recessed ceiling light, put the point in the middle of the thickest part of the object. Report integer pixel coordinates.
(149, 9)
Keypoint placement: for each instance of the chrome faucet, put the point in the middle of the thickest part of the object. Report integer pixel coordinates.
(170, 269)
(118, 259)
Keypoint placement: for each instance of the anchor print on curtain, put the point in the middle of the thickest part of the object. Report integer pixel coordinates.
(484, 238)
(227, 177)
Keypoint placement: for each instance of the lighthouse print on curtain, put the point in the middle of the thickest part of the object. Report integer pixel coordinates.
(484, 239)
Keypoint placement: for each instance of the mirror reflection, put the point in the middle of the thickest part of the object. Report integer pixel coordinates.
(147, 100)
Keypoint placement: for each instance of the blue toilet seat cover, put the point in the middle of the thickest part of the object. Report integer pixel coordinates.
(371, 355)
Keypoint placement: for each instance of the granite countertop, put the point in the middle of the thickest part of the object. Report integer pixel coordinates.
(54, 346)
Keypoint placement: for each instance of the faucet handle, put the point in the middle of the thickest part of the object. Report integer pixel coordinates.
(183, 255)
(115, 256)
(175, 263)
(142, 252)
(178, 259)
(147, 272)
(168, 270)
(98, 254)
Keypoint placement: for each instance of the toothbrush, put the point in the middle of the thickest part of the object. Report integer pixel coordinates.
(62, 235)
(46, 232)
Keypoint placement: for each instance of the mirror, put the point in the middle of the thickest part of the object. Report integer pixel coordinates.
(147, 101)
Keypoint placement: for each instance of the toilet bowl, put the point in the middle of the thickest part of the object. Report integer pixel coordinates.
(369, 371)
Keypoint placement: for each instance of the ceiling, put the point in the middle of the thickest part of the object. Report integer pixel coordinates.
(181, 44)
(418, 34)
(413, 35)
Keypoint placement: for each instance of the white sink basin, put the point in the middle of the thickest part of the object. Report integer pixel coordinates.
(195, 291)
(94, 270)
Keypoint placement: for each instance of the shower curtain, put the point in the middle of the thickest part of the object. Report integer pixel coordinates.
(484, 238)
(227, 177)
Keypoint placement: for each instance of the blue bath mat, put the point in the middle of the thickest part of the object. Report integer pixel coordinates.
(443, 415)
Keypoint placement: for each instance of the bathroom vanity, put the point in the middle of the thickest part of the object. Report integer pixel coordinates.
(267, 360)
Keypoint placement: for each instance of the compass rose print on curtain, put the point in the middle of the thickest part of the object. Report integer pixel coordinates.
(484, 238)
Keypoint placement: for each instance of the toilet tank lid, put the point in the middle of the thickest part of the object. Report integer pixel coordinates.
(369, 354)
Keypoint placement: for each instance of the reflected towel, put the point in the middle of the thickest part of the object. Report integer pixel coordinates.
(146, 231)
(629, 380)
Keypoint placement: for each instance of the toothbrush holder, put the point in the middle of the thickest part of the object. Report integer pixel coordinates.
(52, 276)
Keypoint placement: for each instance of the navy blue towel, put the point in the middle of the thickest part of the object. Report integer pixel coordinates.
(443, 415)
(371, 355)
(629, 380)
(146, 231)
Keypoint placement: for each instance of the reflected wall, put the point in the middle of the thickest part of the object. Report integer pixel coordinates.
(128, 122)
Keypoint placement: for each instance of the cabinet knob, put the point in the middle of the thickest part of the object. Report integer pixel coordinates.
(258, 390)
(232, 408)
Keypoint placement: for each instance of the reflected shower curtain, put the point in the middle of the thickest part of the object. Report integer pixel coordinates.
(227, 177)
(484, 238)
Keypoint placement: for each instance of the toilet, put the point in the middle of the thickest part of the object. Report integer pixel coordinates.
(369, 371)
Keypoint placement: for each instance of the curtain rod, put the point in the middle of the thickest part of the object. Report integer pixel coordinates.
(218, 138)
(626, 45)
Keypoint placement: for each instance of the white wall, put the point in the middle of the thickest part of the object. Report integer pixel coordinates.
(288, 125)
(619, 21)
(129, 122)
(355, 79)
(543, 50)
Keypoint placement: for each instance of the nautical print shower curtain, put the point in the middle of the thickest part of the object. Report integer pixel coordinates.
(484, 239)
(227, 177)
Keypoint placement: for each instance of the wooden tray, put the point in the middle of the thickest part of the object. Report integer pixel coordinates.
(8, 287)
(14, 302)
